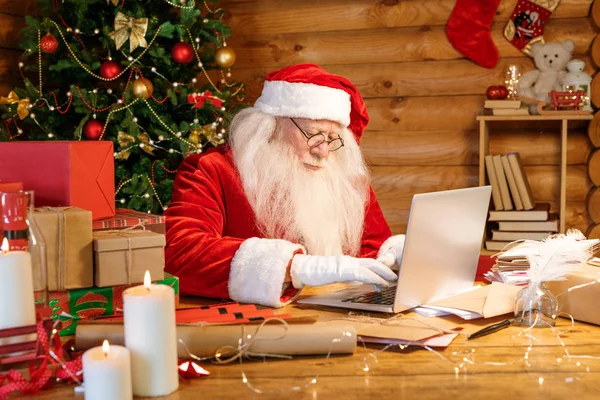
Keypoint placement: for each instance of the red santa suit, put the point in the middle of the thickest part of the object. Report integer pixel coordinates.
(214, 245)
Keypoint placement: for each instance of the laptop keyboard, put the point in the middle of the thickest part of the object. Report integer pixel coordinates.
(385, 297)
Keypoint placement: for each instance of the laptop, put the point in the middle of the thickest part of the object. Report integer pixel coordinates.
(441, 252)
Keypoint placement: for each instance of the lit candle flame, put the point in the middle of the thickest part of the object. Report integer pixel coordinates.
(105, 348)
(4, 247)
(147, 279)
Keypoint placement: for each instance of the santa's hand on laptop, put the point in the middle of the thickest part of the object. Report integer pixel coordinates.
(390, 252)
(323, 270)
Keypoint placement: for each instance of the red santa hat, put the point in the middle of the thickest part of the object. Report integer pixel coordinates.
(308, 91)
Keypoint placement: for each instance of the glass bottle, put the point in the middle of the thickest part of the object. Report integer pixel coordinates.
(535, 306)
(21, 231)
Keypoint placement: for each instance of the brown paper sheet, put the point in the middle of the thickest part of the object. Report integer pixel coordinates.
(69, 254)
(273, 338)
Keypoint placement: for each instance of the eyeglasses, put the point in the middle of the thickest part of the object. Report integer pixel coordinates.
(317, 139)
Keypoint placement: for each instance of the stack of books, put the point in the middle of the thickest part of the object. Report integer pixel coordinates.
(515, 214)
(505, 107)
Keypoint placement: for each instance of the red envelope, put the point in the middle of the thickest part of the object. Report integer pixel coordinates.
(63, 173)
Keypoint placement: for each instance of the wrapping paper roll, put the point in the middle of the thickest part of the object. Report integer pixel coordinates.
(273, 338)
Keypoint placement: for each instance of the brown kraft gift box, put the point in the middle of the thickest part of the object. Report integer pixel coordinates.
(67, 233)
(122, 257)
(579, 302)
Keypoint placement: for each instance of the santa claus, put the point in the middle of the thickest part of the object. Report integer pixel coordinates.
(286, 203)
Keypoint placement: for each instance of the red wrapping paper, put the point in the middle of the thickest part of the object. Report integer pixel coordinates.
(63, 173)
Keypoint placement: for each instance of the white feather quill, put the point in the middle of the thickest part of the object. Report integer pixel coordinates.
(559, 255)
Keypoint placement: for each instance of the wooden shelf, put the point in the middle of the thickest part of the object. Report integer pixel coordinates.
(484, 145)
(566, 117)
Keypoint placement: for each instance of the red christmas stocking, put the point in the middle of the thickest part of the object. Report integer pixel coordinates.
(468, 30)
(526, 24)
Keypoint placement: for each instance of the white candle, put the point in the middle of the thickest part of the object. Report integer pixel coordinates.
(107, 373)
(149, 313)
(17, 304)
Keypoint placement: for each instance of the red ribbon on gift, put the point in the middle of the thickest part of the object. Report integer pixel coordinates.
(40, 374)
(198, 99)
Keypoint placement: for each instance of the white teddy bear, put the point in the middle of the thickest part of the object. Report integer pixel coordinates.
(551, 61)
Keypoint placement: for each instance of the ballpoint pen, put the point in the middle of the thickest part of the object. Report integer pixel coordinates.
(491, 329)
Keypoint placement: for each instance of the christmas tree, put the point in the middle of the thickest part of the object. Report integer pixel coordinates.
(151, 76)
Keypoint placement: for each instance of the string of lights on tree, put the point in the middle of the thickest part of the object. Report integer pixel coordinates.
(156, 82)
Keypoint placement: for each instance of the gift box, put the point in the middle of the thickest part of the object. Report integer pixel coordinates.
(77, 173)
(73, 305)
(123, 257)
(125, 218)
(579, 301)
(67, 233)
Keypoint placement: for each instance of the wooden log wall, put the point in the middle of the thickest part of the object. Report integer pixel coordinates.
(422, 95)
(593, 198)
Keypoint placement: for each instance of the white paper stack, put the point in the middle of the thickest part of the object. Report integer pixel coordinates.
(511, 266)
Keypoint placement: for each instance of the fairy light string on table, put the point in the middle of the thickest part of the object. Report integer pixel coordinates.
(228, 354)
(461, 362)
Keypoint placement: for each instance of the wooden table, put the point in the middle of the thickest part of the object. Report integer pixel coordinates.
(412, 374)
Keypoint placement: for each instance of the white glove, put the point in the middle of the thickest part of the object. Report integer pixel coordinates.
(323, 270)
(391, 250)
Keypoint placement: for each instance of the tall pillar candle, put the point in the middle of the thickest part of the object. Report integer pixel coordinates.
(150, 336)
(107, 373)
(17, 306)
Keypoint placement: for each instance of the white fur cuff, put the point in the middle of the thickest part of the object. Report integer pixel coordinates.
(390, 243)
(258, 271)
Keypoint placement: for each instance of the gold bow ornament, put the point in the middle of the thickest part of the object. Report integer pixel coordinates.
(209, 131)
(126, 141)
(115, 2)
(130, 28)
(13, 98)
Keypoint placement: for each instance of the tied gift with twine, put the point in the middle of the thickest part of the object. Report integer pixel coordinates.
(549, 260)
(67, 232)
(61, 253)
(133, 237)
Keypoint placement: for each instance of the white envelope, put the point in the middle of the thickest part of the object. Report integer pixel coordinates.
(483, 301)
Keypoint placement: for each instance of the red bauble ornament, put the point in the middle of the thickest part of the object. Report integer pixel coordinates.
(93, 129)
(499, 92)
(49, 44)
(109, 69)
(503, 92)
(182, 53)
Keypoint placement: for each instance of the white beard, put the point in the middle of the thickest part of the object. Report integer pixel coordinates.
(324, 210)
